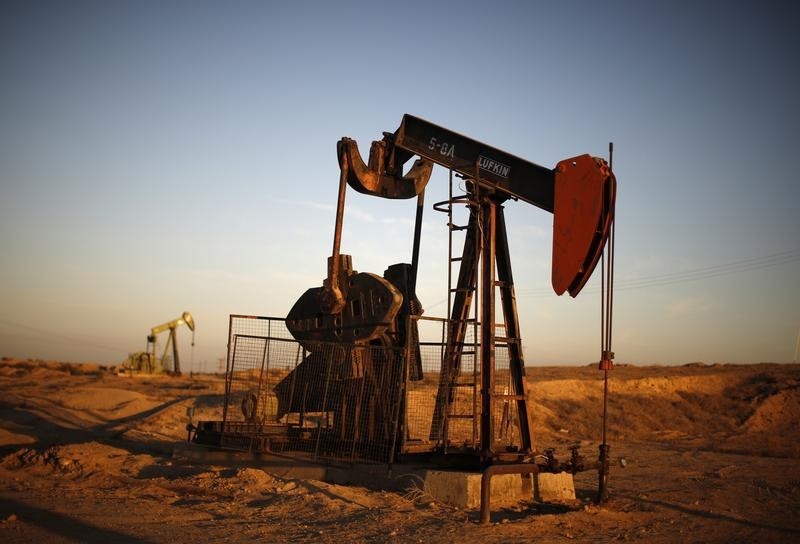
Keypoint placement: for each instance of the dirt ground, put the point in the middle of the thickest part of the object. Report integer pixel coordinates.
(701, 453)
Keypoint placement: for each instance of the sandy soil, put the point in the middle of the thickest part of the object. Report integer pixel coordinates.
(701, 454)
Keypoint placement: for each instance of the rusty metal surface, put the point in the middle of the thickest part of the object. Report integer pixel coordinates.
(371, 304)
(361, 383)
(585, 193)
(382, 177)
(486, 483)
(487, 367)
(331, 297)
(500, 171)
(406, 332)
(340, 402)
(519, 384)
(350, 397)
(335, 401)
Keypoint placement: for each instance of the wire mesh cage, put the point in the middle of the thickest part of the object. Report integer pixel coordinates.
(329, 400)
(348, 402)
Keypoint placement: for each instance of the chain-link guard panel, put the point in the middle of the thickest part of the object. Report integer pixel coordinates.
(345, 402)
(331, 401)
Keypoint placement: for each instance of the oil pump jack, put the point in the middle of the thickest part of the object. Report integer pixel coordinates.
(185, 319)
(146, 361)
(365, 309)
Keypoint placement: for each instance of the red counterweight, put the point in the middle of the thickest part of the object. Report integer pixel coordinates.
(584, 196)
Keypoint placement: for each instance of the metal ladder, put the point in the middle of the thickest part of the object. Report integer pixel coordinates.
(515, 394)
(459, 353)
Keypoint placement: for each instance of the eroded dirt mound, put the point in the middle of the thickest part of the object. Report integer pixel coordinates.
(777, 413)
(51, 457)
(750, 409)
(86, 457)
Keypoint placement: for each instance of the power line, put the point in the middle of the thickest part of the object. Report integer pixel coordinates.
(50, 335)
(728, 268)
(658, 280)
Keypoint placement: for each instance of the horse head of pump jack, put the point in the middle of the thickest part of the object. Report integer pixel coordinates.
(383, 175)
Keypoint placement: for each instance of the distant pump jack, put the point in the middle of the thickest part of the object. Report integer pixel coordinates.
(147, 362)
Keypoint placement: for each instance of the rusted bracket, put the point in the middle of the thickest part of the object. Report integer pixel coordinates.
(607, 361)
(383, 176)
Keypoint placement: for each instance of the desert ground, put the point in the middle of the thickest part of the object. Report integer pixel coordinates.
(701, 453)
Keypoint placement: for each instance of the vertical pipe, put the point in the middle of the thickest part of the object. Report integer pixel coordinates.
(228, 385)
(269, 346)
(488, 211)
(337, 231)
(260, 390)
(447, 372)
(486, 483)
(450, 259)
(606, 355)
(474, 194)
(227, 373)
(332, 299)
(417, 235)
(401, 408)
(475, 231)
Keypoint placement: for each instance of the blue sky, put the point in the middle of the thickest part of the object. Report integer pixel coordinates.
(162, 157)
